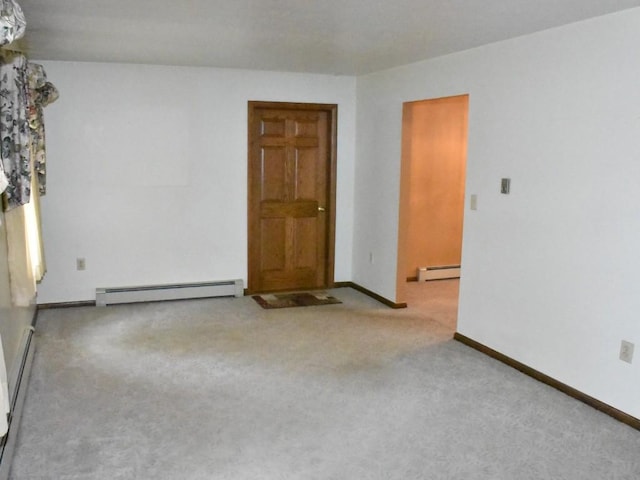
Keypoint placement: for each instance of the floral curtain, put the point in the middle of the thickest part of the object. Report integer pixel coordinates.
(12, 27)
(15, 133)
(12, 22)
(24, 92)
(41, 94)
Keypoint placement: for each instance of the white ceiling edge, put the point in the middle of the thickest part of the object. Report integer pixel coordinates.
(339, 37)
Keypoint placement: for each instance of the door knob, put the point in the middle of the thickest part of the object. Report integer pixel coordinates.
(321, 209)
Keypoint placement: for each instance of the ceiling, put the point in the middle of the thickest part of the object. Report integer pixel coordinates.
(341, 37)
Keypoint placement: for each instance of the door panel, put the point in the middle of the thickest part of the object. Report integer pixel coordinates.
(306, 248)
(306, 165)
(273, 241)
(274, 169)
(291, 196)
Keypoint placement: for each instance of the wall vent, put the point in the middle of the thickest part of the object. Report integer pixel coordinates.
(156, 293)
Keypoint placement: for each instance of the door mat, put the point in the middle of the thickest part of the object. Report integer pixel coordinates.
(304, 299)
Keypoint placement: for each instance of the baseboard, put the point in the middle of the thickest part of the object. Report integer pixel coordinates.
(619, 415)
(8, 444)
(371, 294)
(49, 306)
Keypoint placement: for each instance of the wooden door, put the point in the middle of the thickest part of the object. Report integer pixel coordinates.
(291, 196)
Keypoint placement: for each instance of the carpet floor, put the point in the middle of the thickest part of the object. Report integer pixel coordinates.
(223, 389)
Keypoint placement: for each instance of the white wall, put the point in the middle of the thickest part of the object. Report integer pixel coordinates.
(550, 272)
(147, 172)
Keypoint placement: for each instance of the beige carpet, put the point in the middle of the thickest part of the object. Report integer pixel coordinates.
(223, 389)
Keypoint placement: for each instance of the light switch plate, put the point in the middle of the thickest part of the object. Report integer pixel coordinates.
(626, 351)
(505, 186)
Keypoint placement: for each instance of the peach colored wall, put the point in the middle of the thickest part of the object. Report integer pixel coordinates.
(435, 146)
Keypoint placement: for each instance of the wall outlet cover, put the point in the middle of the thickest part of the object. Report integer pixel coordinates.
(626, 351)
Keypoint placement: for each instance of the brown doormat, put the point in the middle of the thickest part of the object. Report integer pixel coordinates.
(304, 299)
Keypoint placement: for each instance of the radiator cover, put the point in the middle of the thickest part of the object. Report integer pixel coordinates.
(438, 273)
(18, 380)
(179, 291)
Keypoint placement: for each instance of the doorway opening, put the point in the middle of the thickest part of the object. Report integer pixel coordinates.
(432, 181)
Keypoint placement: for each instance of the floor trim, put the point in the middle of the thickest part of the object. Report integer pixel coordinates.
(619, 415)
(8, 442)
(49, 306)
(371, 294)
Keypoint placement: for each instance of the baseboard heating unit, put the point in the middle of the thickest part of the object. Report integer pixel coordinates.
(18, 380)
(157, 293)
(438, 273)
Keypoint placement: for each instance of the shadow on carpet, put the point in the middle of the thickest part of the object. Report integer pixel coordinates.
(286, 300)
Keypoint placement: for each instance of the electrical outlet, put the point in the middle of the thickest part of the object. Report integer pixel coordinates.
(626, 351)
(474, 202)
(81, 264)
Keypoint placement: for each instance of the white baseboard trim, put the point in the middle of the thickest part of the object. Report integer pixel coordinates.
(21, 381)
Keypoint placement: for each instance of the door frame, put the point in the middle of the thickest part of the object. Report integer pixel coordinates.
(330, 208)
(405, 192)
